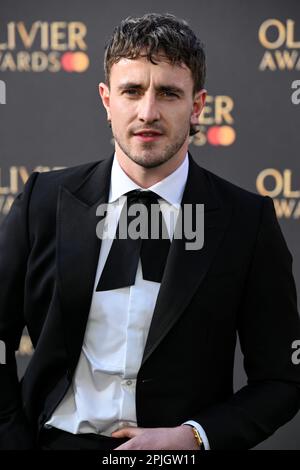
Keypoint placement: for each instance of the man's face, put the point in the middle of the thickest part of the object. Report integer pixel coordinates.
(151, 108)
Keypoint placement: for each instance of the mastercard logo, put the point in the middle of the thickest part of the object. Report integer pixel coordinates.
(221, 135)
(74, 61)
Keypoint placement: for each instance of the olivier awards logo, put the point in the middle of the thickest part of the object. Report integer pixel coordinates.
(12, 182)
(279, 39)
(279, 186)
(216, 122)
(43, 46)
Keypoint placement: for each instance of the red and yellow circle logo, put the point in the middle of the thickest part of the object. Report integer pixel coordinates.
(221, 135)
(75, 61)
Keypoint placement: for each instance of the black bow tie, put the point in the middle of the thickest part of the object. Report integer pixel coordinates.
(122, 261)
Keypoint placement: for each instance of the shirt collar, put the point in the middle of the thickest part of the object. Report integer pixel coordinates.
(170, 188)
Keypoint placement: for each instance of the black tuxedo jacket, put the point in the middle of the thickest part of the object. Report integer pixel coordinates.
(240, 282)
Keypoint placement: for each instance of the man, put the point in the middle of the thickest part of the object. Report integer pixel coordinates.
(146, 363)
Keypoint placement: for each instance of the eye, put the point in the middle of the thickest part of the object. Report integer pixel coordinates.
(131, 92)
(169, 94)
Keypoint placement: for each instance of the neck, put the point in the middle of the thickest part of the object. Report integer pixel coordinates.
(146, 177)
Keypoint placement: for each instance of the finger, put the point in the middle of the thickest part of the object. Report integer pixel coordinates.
(126, 432)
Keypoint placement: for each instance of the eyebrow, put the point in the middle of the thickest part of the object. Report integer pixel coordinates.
(138, 86)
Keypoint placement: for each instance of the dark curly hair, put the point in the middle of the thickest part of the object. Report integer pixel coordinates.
(153, 34)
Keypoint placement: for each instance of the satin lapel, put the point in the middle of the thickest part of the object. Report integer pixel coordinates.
(186, 269)
(78, 251)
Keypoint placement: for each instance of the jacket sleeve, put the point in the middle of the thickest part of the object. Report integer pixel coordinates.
(14, 251)
(268, 324)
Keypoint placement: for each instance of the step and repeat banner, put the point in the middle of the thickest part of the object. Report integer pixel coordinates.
(51, 117)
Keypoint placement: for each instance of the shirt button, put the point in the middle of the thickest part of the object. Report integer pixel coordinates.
(129, 382)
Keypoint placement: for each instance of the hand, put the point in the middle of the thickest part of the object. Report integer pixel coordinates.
(176, 438)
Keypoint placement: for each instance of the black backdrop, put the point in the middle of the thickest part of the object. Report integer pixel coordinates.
(51, 56)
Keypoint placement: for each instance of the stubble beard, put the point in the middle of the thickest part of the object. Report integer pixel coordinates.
(149, 158)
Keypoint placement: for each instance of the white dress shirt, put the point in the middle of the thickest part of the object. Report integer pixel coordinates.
(101, 398)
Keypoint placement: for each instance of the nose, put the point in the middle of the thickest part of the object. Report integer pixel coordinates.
(148, 108)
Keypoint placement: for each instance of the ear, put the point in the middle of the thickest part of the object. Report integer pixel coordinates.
(104, 94)
(198, 105)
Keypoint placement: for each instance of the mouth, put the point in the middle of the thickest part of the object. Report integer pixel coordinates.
(148, 135)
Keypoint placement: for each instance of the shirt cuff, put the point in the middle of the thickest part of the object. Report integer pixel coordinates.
(201, 432)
